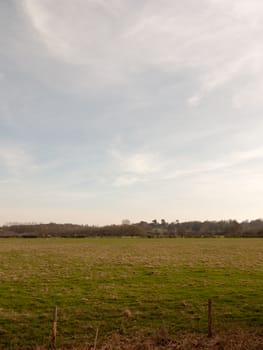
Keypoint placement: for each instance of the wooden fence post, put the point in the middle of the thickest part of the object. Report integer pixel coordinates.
(96, 339)
(209, 333)
(54, 330)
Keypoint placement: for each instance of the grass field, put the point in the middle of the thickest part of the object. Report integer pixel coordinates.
(126, 286)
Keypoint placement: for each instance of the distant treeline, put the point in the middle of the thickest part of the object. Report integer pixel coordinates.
(223, 228)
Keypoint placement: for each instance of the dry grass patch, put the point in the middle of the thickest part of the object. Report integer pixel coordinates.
(238, 340)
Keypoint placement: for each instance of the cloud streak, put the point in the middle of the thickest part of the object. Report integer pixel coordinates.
(94, 36)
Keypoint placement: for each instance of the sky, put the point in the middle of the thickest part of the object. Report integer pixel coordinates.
(130, 109)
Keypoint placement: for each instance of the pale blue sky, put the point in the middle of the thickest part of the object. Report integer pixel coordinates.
(114, 109)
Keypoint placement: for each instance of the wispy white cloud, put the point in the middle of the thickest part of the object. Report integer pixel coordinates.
(247, 67)
(109, 42)
(16, 161)
(233, 159)
(127, 180)
(134, 167)
(137, 163)
(142, 168)
(250, 95)
(250, 10)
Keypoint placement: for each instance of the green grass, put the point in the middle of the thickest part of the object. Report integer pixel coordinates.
(93, 281)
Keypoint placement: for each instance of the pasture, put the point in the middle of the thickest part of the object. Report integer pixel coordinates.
(126, 286)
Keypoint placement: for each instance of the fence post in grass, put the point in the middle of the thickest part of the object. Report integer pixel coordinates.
(209, 333)
(54, 330)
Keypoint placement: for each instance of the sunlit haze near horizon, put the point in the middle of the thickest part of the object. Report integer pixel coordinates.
(127, 109)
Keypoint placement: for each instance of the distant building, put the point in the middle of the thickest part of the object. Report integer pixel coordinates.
(125, 222)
